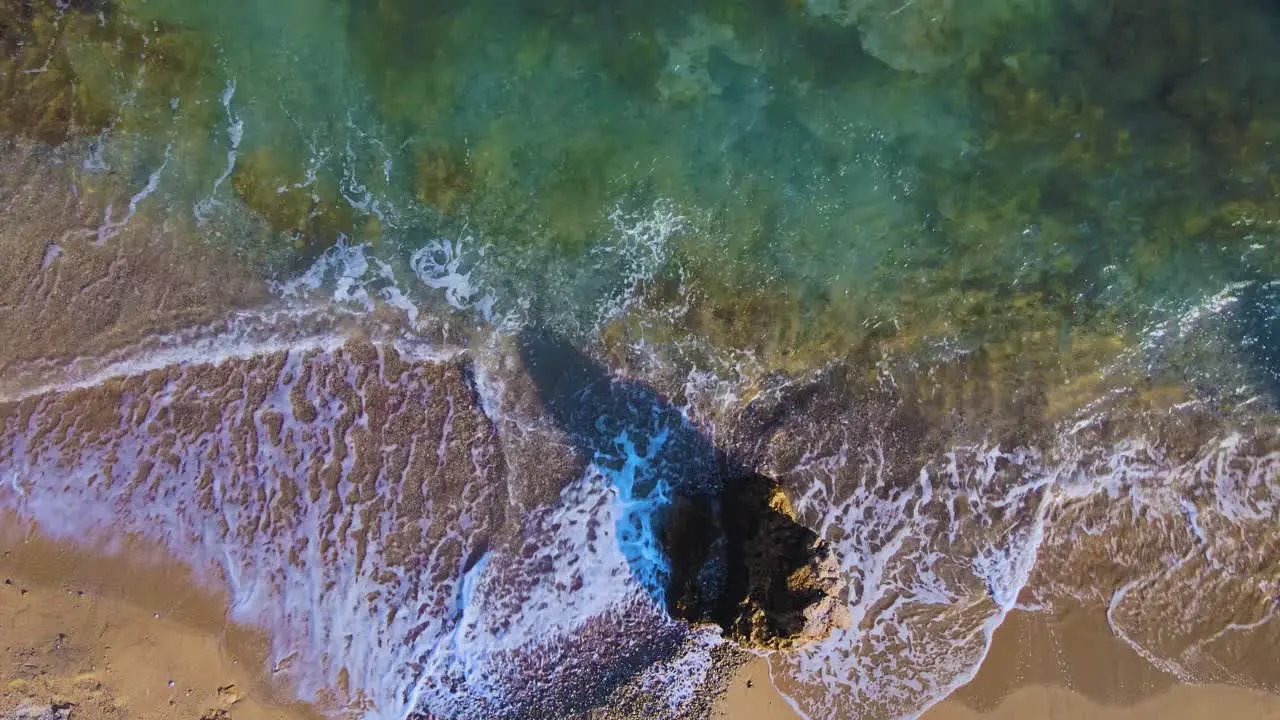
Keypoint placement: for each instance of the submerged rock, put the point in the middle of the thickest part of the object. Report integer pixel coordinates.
(924, 36)
(743, 562)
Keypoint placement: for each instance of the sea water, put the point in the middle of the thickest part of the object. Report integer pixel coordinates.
(989, 290)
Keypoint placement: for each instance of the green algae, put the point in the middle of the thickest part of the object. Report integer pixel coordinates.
(39, 87)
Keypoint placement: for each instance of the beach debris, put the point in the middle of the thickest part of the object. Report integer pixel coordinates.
(228, 695)
(56, 711)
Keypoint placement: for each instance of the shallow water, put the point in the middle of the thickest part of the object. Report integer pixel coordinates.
(990, 290)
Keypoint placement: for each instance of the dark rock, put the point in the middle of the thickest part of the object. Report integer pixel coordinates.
(744, 563)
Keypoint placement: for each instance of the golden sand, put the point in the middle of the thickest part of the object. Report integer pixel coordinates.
(1182, 702)
(753, 697)
(1062, 667)
(123, 637)
(132, 636)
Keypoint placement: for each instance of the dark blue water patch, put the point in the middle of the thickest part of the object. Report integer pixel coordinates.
(1258, 314)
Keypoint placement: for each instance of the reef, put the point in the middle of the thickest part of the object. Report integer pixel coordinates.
(843, 178)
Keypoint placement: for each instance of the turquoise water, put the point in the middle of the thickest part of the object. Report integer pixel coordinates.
(823, 167)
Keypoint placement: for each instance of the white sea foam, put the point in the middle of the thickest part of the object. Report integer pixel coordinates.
(348, 275)
(111, 227)
(232, 496)
(284, 510)
(939, 563)
(933, 583)
(241, 335)
(448, 265)
(466, 274)
(532, 602)
(634, 253)
(235, 134)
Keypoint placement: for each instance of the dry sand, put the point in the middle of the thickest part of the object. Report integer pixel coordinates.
(1062, 667)
(88, 637)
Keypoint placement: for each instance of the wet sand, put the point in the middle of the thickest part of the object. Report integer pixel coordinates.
(128, 636)
(1062, 667)
(1178, 703)
(751, 695)
(131, 636)
(1043, 702)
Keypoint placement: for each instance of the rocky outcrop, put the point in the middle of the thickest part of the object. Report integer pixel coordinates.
(741, 561)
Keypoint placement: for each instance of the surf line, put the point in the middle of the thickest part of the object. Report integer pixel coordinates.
(145, 358)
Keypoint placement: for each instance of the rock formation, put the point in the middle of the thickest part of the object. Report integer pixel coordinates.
(741, 561)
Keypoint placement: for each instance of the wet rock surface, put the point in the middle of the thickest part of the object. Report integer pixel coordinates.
(745, 564)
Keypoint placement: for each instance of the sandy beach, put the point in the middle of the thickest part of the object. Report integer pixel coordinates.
(93, 637)
(1065, 668)
(132, 636)
(1034, 702)
(1178, 703)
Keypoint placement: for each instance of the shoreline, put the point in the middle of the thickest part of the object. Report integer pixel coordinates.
(1178, 702)
(761, 701)
(124, 635)
(1064, 667)
(131, 635)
